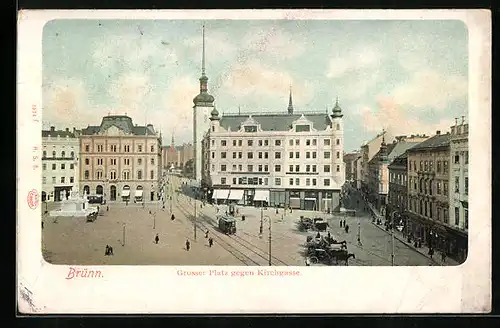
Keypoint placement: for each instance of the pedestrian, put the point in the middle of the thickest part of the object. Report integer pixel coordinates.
(210, 242)
(149, 211)
(157, 239)
(344, 223)
(107, 207)
(206, 234)
(98, 208)
(443, 256)
(318, 235)
(110, 250)
(276, 210)
(188, 244)
(347, 228)
(308, 262)
(341, 223)
(431, 252)
(172, 217)
(42, 224)
(329, 235)
(260, 230)
(106, 252)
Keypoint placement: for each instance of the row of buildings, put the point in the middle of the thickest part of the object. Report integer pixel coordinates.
(116, 159)
(420, 181)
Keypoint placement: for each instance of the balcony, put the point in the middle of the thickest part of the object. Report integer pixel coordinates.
(58, 158)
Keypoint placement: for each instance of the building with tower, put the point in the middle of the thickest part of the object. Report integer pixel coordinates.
(284, 159)
(203, 105)
(120, 160)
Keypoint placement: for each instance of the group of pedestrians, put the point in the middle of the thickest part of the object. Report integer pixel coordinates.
(108, 251)
(344, 225)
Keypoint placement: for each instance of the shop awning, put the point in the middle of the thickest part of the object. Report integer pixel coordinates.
(220, 194)
(236, 194)
(125, 193)
(138, 193)
(261, 195)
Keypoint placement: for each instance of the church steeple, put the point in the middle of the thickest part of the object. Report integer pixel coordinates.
(172, 142)
(383, 149)
(290, 103)
(337, 111)
(203, 99)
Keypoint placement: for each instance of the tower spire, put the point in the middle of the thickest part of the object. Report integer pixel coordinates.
(172, 142)
(203, 52)
(290, 103)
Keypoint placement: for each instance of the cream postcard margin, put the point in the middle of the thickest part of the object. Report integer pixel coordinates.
(42, 287)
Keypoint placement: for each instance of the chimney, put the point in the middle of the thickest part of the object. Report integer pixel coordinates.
(438, 132)
(463, 119)
(67, 129)
(52, 128)
(456, 121)
(74, 130)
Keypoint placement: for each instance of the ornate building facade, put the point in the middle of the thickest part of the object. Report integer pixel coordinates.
(120, 160)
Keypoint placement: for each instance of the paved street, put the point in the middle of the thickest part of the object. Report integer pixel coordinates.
(75, 241)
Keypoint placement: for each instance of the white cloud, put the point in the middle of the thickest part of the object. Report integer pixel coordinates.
(356, 60)
(429, 88)
(254, 78)
(272, 42)
(130, 91)
(216, 46)
(392, 117)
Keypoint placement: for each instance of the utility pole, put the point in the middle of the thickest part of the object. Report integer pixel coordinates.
(270, 264)
(392, 242)
(123, 235)
(194, 223)
(359, 233)
(261, 222)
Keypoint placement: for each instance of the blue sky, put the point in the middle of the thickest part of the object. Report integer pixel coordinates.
(406, 76)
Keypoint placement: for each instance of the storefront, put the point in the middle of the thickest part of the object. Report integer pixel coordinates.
(126, 193)
(139, 194)
(277, 198)
(235, 196)
(294, 196)
(311, 200)
(261, 198)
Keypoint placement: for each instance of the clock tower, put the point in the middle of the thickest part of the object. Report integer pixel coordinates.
(203, 105)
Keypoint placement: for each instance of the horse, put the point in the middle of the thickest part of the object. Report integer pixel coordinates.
(344, 257)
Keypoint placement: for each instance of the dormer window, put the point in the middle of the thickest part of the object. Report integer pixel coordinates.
(302, 128)
(251, 128)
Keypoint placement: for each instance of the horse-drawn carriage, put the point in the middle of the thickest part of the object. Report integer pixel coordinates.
(326, 250)
(317, 224)
(305, 224)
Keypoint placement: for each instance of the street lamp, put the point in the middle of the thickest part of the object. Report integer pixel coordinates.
(392, 240)
(123, 241)
(270, 239)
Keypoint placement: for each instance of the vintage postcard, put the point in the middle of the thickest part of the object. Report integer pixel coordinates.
(254, 161)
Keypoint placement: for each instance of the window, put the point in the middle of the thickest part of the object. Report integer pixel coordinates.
(266, 168)
(100, 148)
(446, 217)
(213, 154)
(338, 168)
(113, 161)
(308, 181)
(457, 216)
(431, 166)
(291, 154)
(445, 166)
(44, 166)
(457, 184)
(223, 154)
(249, 155)
(62, 179)
(326, 182)
(438, 187)
(86, 174)
(426, 166)
(466, 218)
(223, 181)
(126, 175)
(240, 167)
(266, 181)
(308, 142)
(326, 168)
(291, 142)
(126, 148)
(277, 181)
(277, 168)
(277, 142)
(297, 142)
(234, 143)
(223, 143)
(250, 143)
(63, 154)
(313, 154)
(44, 154)
(240, 143)
(234, 154)
(457, 158)
(63, 166)
(314, 182)
(72, 166)
(260, 154)
(445, 188)
(467, 157)
(297, 168)
(466, 185)
(421, 165)
(338, 154)
(151, 174)
(139, 174)
(44, 180)
(87, 148)
(152, 161)
(308, 155)
(414, 165)
(326, 142)
(260, 168)
(266, 142)
(223, 168)
(326, 154)
(291, 181)
(234, 181)
(152, 148)
(53, 167)
(338, 126)
(430, 210)
(438, 167)
(266, 155)
(260, 142)
(297, 154)
(250, 168)
(213, 167)
(139, 161)
(337, 142)
(53, 154)
(314, 142)
(308, 168)
(113, 175)
(297, 181)
(290, 168)
(240, 154)
(314, 168)
(438, 212)
(99, 174)
(53, 180)
(234, 167)
(139, 148)
(277, 155)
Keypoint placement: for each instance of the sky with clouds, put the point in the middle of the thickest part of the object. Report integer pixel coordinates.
(406, 76)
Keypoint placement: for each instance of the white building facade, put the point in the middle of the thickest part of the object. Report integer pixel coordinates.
(459, 184)
(279, 160)
(60, 149)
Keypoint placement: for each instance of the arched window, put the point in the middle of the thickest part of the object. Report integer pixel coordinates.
(44, 154)
(338, 126)
(63, 154)
(139, 175)
(87, 162)
(54, 154)
(112, 175)
(86, 174)
(72, 154)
